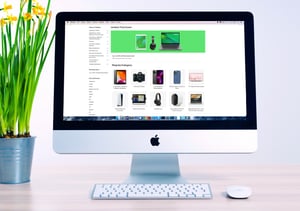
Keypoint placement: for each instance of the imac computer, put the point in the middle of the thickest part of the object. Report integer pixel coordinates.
(154, 85)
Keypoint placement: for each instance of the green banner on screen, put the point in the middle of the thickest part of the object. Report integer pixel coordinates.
(157, 41)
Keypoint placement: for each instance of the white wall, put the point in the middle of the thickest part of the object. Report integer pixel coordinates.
(277, 35)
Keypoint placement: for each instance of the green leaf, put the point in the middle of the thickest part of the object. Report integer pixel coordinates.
(24, 49)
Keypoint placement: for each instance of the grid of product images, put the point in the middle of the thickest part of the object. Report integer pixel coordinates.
(158, 88)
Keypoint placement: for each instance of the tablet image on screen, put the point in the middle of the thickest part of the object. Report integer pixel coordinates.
(140, 41)
(120, 77)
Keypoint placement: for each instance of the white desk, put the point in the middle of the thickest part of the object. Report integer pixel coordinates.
(56, 188)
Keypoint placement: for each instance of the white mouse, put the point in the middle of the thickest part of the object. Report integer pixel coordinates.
(239, 192)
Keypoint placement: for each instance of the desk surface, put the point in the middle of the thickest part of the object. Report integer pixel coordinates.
(55, 188)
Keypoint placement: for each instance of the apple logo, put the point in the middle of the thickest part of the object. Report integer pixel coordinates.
(155, 140)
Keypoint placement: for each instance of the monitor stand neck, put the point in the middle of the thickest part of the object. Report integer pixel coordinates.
(155, 168)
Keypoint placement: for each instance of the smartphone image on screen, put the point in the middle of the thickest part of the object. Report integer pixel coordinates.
(176, 77)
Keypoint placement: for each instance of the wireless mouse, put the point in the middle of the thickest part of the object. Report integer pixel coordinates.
(239, 192)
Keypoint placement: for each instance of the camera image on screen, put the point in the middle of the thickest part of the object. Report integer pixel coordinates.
(139, 77)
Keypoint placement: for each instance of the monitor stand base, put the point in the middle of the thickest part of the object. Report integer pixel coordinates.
(155, 169)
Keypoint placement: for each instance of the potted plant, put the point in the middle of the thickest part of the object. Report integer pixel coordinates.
(25, 44)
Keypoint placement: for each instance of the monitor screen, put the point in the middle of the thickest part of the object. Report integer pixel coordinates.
(154, 82)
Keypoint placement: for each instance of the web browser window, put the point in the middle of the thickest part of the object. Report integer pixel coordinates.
(149, 70)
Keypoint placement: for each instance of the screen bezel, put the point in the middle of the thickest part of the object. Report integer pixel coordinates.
(249, 122)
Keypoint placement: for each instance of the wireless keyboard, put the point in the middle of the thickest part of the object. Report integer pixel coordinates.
(152, 191)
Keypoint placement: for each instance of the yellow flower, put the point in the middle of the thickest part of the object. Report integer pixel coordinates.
(11, 18)
(7, 7)
(2, 22)
(38, 9)
(27, 16)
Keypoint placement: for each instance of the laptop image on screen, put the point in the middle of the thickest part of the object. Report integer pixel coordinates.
(170, 41)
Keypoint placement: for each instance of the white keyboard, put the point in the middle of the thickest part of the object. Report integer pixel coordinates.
(152, 191)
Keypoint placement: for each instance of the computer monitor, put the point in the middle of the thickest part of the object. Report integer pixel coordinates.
(119, 90)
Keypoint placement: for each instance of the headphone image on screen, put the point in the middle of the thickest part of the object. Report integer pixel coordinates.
(152, 44)
(157, 100)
